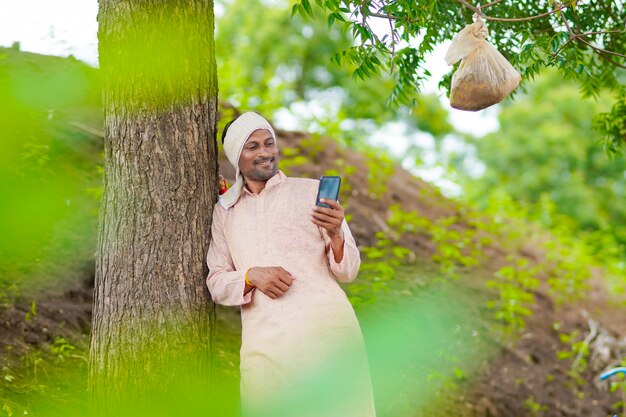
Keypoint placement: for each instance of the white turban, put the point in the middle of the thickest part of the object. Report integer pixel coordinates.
(236, 136)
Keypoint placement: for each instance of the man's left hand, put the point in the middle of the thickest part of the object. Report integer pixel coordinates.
(329, 218)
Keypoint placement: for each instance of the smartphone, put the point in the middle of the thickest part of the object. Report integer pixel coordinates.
(329, 188)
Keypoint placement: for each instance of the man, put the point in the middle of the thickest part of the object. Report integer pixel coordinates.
(280, 257)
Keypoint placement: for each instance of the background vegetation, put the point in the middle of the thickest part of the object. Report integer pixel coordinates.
(460, 282)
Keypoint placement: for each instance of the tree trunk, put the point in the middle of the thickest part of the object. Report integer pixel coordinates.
(151, 317)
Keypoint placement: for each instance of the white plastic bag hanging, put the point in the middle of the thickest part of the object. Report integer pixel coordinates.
(484, 77)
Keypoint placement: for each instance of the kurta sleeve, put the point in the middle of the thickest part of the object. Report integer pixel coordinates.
(348, 268)
(225, 284)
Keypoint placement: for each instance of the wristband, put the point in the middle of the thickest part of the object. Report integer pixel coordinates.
(246, 278)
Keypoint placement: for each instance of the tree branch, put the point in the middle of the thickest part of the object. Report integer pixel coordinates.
(393, 44)
(604, 51)
(579, 37)
(572, 35)
(490, 4)
(503, 19)
(600, 33)
(384, 16)
(609, 60)
(558, 51)
(391, 17)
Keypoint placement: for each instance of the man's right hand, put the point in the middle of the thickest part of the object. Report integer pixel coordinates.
(273, 281)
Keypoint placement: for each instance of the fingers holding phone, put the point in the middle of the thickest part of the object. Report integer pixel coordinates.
(327, 212)
(328, 189)
(329, 218)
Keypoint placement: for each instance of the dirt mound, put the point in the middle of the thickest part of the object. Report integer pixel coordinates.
(68, 315)
(527, 378)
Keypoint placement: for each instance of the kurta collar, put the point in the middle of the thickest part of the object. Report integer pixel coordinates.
(277, 179)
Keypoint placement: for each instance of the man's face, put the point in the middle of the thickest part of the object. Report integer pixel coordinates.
(259, 157)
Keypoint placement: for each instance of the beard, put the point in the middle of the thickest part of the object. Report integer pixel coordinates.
(262, 170)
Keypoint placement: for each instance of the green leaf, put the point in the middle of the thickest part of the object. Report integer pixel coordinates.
(306, 4)
(339, 17)
(564, 355)
(294, 9)
(331, 20)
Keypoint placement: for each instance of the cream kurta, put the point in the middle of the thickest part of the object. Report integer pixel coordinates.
(302, 354)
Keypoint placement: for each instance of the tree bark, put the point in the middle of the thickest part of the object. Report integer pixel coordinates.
(152, 312)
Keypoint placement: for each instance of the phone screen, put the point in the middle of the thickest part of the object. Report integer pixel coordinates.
(329, 188)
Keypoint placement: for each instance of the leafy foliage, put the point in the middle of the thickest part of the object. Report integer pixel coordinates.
(612, 125)
(313, 71)
(43, 380)
(584, 40)
(577, 351)
(45, 209)
(535, 408)
(557, 159)
(285, 60)
(515, 283)
(569, 256)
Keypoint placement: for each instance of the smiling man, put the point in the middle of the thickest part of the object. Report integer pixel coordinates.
(280, 257)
